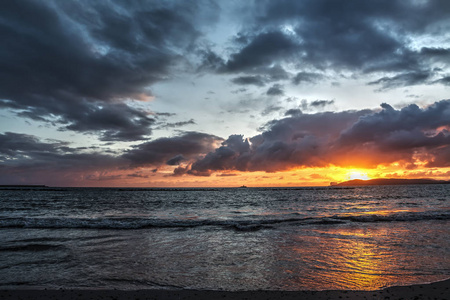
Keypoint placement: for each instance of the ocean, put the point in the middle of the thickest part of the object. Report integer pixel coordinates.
(317, 238)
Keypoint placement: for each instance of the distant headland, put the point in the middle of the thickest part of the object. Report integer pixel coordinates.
(388, 181)
(22, 185)
(17, 187)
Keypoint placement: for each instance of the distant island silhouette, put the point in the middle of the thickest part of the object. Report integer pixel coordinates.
(388, 181)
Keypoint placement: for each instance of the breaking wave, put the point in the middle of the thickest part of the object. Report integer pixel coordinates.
(238, 225)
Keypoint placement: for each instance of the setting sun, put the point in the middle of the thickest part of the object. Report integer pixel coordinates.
(357, 175)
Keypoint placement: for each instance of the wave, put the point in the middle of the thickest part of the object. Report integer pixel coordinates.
(238, 225)
(30, 247)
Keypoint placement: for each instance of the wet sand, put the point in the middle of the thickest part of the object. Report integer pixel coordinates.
(436, 290)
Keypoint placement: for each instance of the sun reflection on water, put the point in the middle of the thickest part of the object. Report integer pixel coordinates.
(360, 263)
(351, 258)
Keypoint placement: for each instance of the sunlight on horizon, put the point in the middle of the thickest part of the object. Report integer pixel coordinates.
(357, 175)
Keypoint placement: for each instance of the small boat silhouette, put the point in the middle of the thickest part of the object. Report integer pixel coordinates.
(243, 187)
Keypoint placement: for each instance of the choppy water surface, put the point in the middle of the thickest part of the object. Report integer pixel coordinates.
(233, 239)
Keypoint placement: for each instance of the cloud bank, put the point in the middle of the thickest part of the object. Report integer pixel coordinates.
(350, 139)
(76, 63)
(363, 138)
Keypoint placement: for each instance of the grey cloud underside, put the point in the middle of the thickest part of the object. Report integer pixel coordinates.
(352, 138)
(25, 158)
(26, 155)
(74, 62)
(309, 106)
(249, 80)
(172, 150)
(261, 51)
(275, 90)
(176, 124)
(309, 77)
(366, 37)
(321, 103)
(404, 79)
(293, 112)
(444, 80)
(363, 138)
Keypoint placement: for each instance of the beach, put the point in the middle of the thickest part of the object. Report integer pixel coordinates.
(436, 290)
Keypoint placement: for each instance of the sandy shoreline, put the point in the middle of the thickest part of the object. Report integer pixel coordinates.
(436, 290)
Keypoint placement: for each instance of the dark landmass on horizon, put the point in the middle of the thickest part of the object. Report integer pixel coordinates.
(23, 185)
(390, 181)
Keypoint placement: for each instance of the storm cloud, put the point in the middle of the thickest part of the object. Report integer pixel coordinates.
(74, 63)
(359, 36)
(172, 150)
(352, 138)
(363, 138)
(27, 159)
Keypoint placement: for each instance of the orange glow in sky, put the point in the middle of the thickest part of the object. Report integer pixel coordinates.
(290, 178)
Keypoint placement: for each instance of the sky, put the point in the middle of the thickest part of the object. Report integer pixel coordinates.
(223, 93)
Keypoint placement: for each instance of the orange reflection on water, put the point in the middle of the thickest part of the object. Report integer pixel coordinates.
(347, 258)
(383, 212)
(359, 263)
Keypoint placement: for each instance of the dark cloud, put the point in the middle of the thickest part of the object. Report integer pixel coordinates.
(263, 50)
(177, 124)
(230, 156)
(275, 90)
(285, 143)
(351, 138)
(311, 106)
(439, 157)
(72, 62)
(114, 121)
(394, 135)
(274, 73)
(404, 79)
(362, 138)
(165, 114)
(26, 159)
(355, 33)
(435, 51)
(306, 77)
(444, 80)
(210, 61)
(188, 145)
(249, 80)
(363, 37)
(179, 171)
(441, 55)
(293, 112)
(22, 145)
(410, 127)
(321, 103)
(176, 160)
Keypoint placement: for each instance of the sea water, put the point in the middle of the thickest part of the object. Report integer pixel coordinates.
(314, 238)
